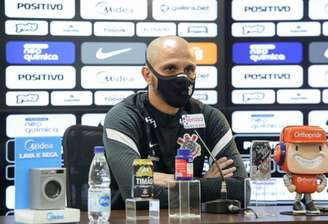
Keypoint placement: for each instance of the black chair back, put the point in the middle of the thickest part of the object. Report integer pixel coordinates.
(78, 144)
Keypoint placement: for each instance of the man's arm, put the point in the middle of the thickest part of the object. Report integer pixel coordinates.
(210, 187)
(228, 158)
(120, 158)
(122, 132)
(220, 141)
(121, 149)
(237, 188)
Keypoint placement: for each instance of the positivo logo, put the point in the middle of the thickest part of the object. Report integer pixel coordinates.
(40, 76)
(266, 9)
(268, 76)
(39, 6)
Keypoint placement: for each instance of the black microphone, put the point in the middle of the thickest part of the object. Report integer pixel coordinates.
(219, 206)
(223, 205)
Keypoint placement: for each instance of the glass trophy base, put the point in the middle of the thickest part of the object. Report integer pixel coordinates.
(184, 199)
(263, 198)
(142, 208)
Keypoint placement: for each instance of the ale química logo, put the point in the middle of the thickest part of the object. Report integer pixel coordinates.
(43, 52)
(267, 53)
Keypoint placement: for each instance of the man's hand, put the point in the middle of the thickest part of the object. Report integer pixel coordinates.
(223, 163)
(163, 179)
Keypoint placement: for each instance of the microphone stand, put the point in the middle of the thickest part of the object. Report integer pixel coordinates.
(223, 205)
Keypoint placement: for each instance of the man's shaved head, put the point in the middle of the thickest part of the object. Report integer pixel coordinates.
(173, 57)
(168, 47)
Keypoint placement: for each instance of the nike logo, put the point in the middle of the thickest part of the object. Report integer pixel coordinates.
(104, 55)
(152, 145)
(153, 158)
(326, 53)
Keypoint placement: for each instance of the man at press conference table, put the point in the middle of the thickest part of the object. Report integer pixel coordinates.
(147, 125)
(170, 56)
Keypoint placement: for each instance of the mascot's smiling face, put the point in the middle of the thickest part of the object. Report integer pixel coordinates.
(307, 158)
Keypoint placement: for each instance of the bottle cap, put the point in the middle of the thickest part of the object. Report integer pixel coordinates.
(99, 149)
(184, 152)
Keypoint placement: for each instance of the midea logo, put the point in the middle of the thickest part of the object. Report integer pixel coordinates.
(104, 76)
(104, 7)
(31, 145)
(55, 216)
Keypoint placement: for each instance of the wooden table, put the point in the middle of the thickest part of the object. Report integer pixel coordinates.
(118, 216)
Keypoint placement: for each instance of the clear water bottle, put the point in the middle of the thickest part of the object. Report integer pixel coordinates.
(99, 194)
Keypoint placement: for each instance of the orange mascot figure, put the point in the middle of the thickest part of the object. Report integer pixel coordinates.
(303, 154)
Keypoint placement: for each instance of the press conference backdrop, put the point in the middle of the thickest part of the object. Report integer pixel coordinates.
(63, 62)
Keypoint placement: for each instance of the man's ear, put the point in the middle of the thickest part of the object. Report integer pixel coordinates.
(146, 74)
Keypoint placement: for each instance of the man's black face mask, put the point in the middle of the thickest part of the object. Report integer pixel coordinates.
(174, 90)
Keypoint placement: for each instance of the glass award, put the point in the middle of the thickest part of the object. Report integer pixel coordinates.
(263, 198)
(184, 199)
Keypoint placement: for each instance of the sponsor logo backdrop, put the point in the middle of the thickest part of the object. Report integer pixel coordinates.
(277, 74)
(65, 62)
